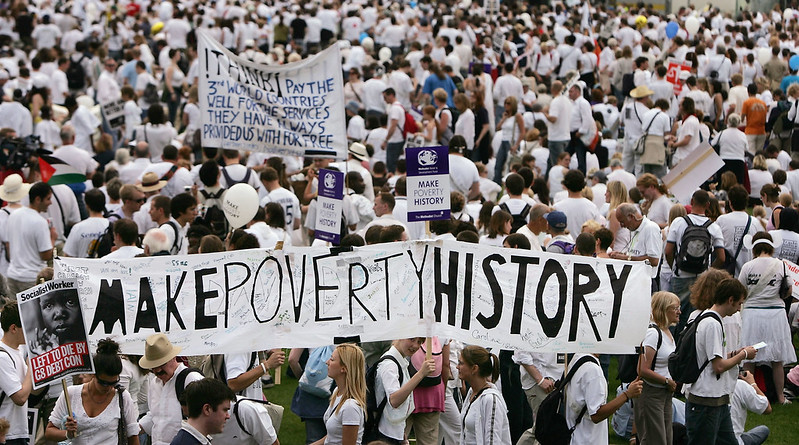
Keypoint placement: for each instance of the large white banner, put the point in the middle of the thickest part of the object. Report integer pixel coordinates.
(295, 109)
(304, 297)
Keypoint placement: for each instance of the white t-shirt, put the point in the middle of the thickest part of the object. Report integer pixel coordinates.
(667, 346)
(238, 364)
(745, 398)
(256, 421)
(677, 229)
(83, 235)
(28, 234)
(287, 200)
(396, 112)
(710, 343)
(659, 210)
(688, 127)
(462, 174)
(789, 249)
(392, 423)
(750, 276)
(12, 373)
(578, 211)
(561, 108)
(350, 414)
(732, 227)
(588, 388)
(646, 240)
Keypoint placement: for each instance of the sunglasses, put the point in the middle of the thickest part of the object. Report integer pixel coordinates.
(107, 382)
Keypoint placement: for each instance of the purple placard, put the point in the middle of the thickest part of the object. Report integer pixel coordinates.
(423, 161)
(331, 184)
(428, 183)
(329, 201)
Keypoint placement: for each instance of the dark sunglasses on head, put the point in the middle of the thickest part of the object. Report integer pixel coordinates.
(107, 382)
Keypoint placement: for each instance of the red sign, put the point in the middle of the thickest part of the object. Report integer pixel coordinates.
(673, 75)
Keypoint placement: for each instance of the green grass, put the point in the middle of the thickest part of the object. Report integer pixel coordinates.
(782, 420)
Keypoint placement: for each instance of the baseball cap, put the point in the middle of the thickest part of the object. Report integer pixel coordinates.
(556, 219)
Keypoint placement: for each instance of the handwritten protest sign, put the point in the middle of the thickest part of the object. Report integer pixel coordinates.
(673, 74)
(56, 337)
(295, 109)
(428, 183)
(328, 210)
(114, 113)
(255, 299)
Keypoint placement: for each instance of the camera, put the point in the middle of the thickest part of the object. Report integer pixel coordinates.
(16, 153)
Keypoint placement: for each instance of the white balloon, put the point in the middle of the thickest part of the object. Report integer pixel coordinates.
(368, 44)
(787, 14)
(692, 25)
(763, 55)
(384, 54)
(240, 203)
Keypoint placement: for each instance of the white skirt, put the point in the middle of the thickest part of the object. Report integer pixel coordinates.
(769, 326)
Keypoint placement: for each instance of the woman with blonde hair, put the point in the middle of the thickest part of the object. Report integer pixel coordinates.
(653, 413)
(512, 127)
(615, 195)
(345, 417)
(758, 177)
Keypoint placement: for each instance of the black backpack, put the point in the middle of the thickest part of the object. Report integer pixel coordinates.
(627, 83)
(550, 422)
(455, 114)
(519, 220)
(682, 362)
(76, 75)
(213, 217)
(231, 182)
(628, 363)
(180, 382)
(374, 410)
(104, 243)
(696, 245)
(150, 94)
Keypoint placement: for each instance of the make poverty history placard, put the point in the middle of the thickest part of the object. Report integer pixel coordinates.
(55, 334)
(328, 206)
(258, 299)
(295, 109)
(428, 184)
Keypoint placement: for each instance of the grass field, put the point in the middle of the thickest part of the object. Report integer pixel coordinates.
(782, 421)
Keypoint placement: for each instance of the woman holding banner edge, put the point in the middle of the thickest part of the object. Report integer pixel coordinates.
(98, 414)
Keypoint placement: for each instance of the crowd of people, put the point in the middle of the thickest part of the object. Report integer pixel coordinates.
(561, 121)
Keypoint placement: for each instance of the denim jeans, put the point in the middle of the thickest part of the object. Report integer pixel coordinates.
(707, 425)
(502, 157)
(756, 435)
(393, 152)
(555, 149)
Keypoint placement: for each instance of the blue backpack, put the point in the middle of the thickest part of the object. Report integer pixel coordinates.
(314, 379)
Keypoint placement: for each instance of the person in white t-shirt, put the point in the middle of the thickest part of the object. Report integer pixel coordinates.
(30, 239)
(748, 397)
(707, 409)
(578, 209)
(689, 133)
(588, 389)
(559, 123)
(655, 194)
(400, 395)
(463, 175)
(15, 375)
(682, 280)
(345, 416)
(244, 372)
(735, 224)
(126, 234)
(646, 241)
(394, 143)
(85, 235)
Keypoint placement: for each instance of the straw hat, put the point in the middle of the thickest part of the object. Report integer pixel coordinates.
(13, 189)
(641, 91)
(158, 350)
(150, 182)
(358, 151)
